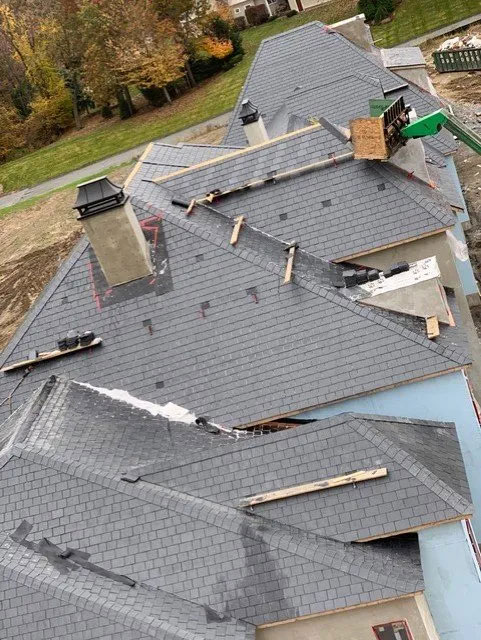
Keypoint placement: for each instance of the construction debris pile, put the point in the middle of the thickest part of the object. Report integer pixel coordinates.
(466, 42)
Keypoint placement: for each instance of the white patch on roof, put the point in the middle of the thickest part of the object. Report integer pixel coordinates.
(170, 410)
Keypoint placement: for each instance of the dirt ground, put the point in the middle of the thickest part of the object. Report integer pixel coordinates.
(34, 241)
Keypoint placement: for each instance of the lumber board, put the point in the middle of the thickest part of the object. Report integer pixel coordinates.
(50, 355)
(138, 164)
(290, 265)
(319, 485)
(234, 154)
(239, 221)
(368, 139)
(190, 208)
(432, 327)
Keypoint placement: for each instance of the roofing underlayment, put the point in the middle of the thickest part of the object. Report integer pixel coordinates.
(216, 332)
(82, 549)
(311, 58)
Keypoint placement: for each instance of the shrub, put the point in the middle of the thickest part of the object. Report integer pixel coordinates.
(154, 95)
(257, 15)
(240, 23)
(216, 48)
(49, 118)
(106, 112)
(376, 10)
(291, 13)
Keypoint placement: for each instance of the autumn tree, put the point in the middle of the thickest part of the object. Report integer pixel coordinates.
(144, 50)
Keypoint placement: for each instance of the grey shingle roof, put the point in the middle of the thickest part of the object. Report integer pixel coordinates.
(202, 569)
(311, 56)
(237, 362)
(166, 158)
(334, 212)
(419, 488)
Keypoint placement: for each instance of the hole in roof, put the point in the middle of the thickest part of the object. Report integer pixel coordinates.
(381, 187)
(159, 384)
(199, 257)
(283, 216)
(204, 305)
(326, 203)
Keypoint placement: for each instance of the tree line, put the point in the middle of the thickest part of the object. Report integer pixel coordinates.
(60, 58)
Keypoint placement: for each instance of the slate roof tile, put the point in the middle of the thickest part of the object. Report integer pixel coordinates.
(249, 375)
(358, 217)
(311, 58)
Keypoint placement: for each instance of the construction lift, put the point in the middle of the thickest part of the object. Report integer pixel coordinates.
(389, 128)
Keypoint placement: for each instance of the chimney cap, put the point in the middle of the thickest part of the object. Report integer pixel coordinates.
(98, 195)
(249, 112)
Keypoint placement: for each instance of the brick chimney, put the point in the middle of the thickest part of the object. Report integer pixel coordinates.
(253, 124)
(114, 232)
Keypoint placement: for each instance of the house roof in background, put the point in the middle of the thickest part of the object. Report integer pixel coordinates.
(226, 339)
(165, 563)
(313, 56)
(334, 212)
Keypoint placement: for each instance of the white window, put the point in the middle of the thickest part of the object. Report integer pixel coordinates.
(473, 545)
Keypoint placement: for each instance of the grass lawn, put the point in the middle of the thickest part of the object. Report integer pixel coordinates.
(413, 18)
(210, 99)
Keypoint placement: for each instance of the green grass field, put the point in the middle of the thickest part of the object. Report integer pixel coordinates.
(219, 94)
(413, 18)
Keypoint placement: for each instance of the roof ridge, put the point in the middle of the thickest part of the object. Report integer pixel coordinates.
(413, 466)
(415, 421)
(255, 61)
(344, 557)
(390, 174)
(105, 602)
(237, 152)
(327, 292)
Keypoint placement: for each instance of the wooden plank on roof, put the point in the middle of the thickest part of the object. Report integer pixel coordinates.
(319, 485)
(290, 264)
(50, 355)
(239, 221)
(134, 171)
(432, 327)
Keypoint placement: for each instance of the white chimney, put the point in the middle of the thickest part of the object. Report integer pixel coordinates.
(253, 124)
(113, 230)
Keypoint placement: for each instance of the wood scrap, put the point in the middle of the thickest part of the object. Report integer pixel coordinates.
(290, 263)
(432, 327)
(239, 221)
(50, 355)
(320, 485)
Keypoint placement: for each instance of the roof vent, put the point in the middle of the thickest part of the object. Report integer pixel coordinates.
(253, 123)
(113, 230)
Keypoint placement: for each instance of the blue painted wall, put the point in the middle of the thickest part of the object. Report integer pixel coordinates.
(453, 586)
(464, 268)
(445, 398)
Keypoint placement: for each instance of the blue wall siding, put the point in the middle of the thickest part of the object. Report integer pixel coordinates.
(453, 586)
(464, 268)
(445, 398)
